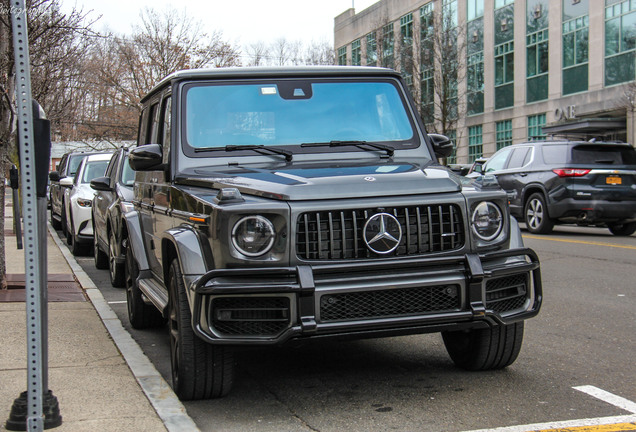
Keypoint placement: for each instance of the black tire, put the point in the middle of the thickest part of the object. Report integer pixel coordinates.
(76, 246)
(54, 222)
(199, 370)
(536, 215)
(63, 221)
(485, 349)
(623, 229)
(140, 314)
(117, 271)
(101, 259)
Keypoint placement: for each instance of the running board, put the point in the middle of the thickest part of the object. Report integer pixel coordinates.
(154, 292)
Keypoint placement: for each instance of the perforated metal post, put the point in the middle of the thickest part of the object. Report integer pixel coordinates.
(40, 408)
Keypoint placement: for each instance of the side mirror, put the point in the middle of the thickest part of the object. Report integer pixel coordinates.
(442, 146)
(54, 176)
(146, 157)
(101, 184)
(66, 182)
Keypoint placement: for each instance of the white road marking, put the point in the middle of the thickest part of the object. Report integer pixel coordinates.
(608, 397)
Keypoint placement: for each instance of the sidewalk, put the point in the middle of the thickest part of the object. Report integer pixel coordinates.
(93, 383)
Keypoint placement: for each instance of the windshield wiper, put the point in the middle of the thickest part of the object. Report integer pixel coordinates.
(257, 148)
(360, 144)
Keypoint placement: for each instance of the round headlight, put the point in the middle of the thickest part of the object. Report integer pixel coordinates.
(253, 235)
(487, 221)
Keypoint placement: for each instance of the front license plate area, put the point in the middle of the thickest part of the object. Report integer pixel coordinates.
(613, 180)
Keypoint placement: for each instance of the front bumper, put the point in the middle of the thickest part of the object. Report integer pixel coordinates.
(268, 306)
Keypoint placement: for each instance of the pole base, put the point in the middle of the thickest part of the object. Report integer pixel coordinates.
(19, 412)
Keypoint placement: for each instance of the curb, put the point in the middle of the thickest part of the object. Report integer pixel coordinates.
(159, 393)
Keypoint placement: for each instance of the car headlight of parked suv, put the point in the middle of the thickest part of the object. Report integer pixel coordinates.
(487, 221)
(83, 202)
(253, 236)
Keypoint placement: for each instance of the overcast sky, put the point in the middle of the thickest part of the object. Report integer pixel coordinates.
(241, 21)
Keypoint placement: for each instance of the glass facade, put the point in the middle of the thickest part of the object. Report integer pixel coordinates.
(475, 58)
(342, 56)
(406, 45)
(535, 127)
(504, 55)
(503, 135)
(620, 41)
(427, 62)
(449, 61)
(372, 50)
(537, 50)
(575, 46)
(356, 53)
(388, 46)
(475, 143)
(452, 135)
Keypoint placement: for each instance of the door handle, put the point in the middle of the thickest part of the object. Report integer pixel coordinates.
(523, 174)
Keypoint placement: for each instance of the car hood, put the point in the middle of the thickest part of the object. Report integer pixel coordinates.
(310, 181)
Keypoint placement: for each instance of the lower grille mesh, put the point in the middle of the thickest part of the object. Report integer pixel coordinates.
(389, 303)
(250, 316)
(507, 293)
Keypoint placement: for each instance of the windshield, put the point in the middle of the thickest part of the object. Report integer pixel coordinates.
(93, 170)
(294, 112)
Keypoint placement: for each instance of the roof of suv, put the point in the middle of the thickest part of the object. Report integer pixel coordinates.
(561, 142)
(272, 72)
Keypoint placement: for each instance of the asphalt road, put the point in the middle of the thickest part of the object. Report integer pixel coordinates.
(585, 335)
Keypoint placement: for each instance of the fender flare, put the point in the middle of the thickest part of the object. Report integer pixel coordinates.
(136, 240)
(189, 250)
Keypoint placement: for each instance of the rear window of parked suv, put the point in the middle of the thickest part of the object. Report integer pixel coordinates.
(589, 154)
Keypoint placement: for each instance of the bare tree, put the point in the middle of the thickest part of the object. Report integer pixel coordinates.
(125, 69)
(56, 45)
(257, 53)
(320, 53)
(284, 52)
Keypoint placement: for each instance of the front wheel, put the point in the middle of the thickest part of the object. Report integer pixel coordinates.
(199, 370)
(101, 260)
(623, 229)
(485, 349)
(140, 314)
(54, 222)
(117, 277)
(536, 215)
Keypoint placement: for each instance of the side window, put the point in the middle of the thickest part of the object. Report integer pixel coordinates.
(497, 161)
(62, 166)
(153, 120)
(555, 154)
(518, 156)
(167, 128)
(111, 169)
(143, 128)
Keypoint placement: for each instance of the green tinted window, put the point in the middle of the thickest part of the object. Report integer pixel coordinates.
(475, 143)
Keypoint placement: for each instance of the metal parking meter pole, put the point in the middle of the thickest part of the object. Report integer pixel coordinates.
(37, 408)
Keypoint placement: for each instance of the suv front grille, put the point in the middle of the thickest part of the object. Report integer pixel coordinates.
(508, 293)
(250, 316)
(337, 234)
(389, 303)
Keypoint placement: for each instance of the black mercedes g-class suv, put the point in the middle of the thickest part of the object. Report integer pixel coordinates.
(276, 205)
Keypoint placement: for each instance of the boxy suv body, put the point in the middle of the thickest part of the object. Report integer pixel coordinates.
(278, 205)
(586, 183)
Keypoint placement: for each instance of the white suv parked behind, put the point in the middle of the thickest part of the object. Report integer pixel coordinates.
(79, 200)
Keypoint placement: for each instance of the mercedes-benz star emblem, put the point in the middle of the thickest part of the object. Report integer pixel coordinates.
(382, 233)
(369, 179)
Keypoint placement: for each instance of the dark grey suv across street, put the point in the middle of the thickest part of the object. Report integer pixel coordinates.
(585, 183)
(281, 205)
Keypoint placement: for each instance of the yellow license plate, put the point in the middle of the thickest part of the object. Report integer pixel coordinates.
(613, 180)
